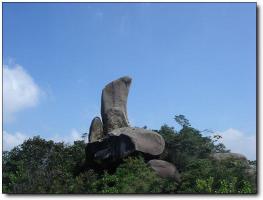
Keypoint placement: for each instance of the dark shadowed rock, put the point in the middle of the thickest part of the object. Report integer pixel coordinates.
(109, 152)
(165, 169)
(144, 140)
(114, 104)
(96, 130)
(121, 143)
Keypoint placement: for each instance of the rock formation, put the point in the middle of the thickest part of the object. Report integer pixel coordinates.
(108, 152)
(233, 156)
(112, 140)
(96, 130)
(145, 141)
(114, 104)
(165, 169)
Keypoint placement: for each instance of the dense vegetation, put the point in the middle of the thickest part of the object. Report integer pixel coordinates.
(40, 166)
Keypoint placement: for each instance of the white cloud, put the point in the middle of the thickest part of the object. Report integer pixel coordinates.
(12, 140)
(73, 136)
(19, 91)
(239, 142)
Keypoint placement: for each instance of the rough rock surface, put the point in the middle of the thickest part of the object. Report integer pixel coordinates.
(109, 151)
(223, 156)
(165, 169)
(114, 104)
(96, 130)
(250, 170)
(113, 139)
(124, 142)
(145, 141)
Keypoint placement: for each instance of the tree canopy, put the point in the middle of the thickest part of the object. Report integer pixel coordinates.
(40, 166)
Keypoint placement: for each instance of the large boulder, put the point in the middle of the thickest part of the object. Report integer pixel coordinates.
(250, 170)
(165, 169)
(121, 143)
(114, 104)
(144, 140)
(232, 156)
(96, 130)
(108, 152)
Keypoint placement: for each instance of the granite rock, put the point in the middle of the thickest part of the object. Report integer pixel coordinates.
(165, 169)
(114, 104)
(96, 130)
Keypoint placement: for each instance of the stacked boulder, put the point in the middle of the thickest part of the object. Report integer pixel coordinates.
(112, 139)
(250, 170)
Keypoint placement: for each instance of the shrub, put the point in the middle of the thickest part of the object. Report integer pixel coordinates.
(133, 176)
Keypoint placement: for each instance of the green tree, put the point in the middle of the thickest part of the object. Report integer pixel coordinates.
(184, 146)
(40, 166)
(134, 176)
(181, 120)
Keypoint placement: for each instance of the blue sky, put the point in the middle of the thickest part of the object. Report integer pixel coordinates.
(195, 59)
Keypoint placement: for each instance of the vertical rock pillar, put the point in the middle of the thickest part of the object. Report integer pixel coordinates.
(114, 104)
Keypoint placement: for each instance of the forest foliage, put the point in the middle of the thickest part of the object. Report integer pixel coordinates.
(40, 166)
